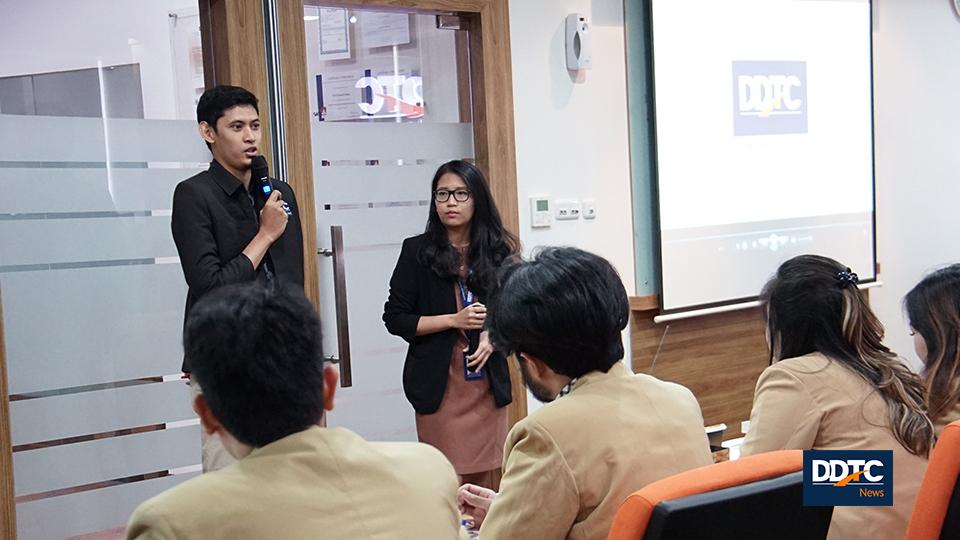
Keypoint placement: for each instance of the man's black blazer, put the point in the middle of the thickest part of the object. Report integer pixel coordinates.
(213, 221)
(415, 291)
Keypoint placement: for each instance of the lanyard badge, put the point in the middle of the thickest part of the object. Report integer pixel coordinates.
(467, 297)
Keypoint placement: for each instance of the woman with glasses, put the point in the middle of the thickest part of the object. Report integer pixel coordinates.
(458, 384)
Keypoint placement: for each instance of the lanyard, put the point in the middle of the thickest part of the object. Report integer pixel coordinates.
(466, 295)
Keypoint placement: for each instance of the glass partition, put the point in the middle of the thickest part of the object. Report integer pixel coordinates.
(96, 129)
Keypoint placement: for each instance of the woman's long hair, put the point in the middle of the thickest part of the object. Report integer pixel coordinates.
(933, 307)
(812, 304)
(490, 242)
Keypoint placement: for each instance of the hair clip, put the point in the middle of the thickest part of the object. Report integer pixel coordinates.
(847, 277)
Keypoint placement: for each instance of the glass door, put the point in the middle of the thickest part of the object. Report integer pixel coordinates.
(389, 96)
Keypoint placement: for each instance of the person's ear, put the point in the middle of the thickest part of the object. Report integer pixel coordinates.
(208, 422)
(208, 132)
(535, 365)
(330, 378)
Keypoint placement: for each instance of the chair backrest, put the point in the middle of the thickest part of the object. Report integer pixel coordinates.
(936, 514)
(758, 496)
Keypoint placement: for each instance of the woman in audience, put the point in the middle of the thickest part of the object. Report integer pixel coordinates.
(455, 380)
(833, 385)
(933, 307)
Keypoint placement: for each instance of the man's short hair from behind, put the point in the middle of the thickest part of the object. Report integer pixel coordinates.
(256, 353)
(566, 307)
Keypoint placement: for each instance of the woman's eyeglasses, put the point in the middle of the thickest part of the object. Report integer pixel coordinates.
(459, 195)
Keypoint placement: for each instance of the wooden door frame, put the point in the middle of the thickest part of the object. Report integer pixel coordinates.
(233, 37)
(8, 506)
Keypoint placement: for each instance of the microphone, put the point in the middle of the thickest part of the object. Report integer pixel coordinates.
(260, 174)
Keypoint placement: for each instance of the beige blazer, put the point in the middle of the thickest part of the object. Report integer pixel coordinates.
(813, 403)
(319, 483)
(569, 465)
(950, 416)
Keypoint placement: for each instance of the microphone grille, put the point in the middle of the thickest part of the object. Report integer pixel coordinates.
(259, 167)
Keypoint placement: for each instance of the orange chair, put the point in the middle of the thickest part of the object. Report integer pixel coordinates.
(936, 514)
(734, 499)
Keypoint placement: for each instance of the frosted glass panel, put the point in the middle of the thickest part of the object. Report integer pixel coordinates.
(383, 141)
(97, 126)
(98, 411)
(374, 205)
(377, 365)
(90, 511)
(98, 239)
(59, 190)
(64, 139)
(68, 328)
(379, 226)
(394, 420)
(67, 139)
(362, 185)
(156, 140)
(57, 467)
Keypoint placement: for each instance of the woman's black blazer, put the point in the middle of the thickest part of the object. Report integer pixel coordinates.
(415, 291)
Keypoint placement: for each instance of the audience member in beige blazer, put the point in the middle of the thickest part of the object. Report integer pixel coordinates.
(933, 307)
(835, 386)
(256, 353)
(569, 465)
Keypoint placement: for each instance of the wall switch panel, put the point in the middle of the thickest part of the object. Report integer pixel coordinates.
(566, 209)
(589, 209)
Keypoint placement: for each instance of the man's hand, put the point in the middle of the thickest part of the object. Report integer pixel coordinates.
(475, 501)
(273, 218)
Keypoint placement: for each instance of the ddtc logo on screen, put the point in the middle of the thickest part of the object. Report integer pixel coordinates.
(848, 477)
(769, 98)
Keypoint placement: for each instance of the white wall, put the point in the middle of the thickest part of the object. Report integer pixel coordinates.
(572, 139)
(572, 136)
(916, 74)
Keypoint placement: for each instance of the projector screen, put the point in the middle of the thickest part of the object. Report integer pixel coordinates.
(764, 141)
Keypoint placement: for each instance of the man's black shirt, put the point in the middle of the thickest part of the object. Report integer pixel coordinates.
(213, 221)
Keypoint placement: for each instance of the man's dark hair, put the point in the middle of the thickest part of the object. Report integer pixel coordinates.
(565, 307)
(217, 100)
(256, 353)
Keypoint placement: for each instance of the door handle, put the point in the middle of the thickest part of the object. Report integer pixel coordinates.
(340, 303)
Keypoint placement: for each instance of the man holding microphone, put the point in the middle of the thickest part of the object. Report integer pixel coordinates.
(226, 229)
